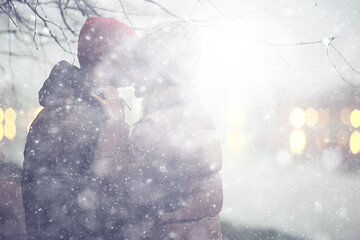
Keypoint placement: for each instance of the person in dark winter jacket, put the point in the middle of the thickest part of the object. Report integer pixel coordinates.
(170, 160)
(61, 198)
(12, 220)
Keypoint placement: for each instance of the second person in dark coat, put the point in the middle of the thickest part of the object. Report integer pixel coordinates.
(62, 199)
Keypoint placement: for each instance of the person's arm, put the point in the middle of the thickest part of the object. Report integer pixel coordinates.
(205, 200)
(142, 161)
(198, 154)
(172, 160)
(154, 138)
(176, 150)
(111, 150)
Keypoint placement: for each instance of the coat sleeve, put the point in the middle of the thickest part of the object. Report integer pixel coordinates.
(54, 178)
(44, 188)
(159, 146)
(178, 151)
(156, 163)
(118, 153)
(186, 159)
(204, 201)
(111, 154)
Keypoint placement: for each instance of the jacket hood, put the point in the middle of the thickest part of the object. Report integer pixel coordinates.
(65, 82)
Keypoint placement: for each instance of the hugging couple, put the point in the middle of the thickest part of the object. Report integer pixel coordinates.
(87, 174)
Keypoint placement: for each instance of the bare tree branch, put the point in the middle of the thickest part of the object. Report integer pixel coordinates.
(84, 12)
(92, 9)
(126, 15)
(63, 17)
(35, 24)
(162, 8)
(15, 11)
(215, 7)
(8, 14)
(45, 22)
(334, 65)
(15, 54)
(345, 60)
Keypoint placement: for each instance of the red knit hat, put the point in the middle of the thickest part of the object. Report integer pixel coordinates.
(98, 35)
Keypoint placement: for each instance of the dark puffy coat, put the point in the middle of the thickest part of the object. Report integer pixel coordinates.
(171, 170)
(60, 197)
(12, 220)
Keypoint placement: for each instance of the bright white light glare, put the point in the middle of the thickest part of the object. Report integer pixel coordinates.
(355, 118)
(10, 130)
(311, 116)
(236, 117)
(297, 117)
(1, 132)
(235, 139)
(32, 113)
(323, 117)
(1, 115)
(297, 141)
(345, 116)
(326, 41)
(10, 115)
(232, 70)
(355, 142)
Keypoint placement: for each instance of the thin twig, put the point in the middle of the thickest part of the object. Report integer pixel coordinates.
(50, 32)
(290, 44)
(8, 31)
(83, 12)
(193, 9)
(345, 60)
(163, 8)
(16, 13)
(336, 69)
(126, 15)
(35, 23)
(43, 11)
(64, 19)
(215, 7)
(8, 14)
(14, 54)
(66, 4)
(282, 57)
(127, 12)
(92, 9)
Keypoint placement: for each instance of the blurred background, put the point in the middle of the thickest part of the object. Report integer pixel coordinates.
(280, 79)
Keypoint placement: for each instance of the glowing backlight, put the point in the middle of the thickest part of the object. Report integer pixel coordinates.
(297, 141)
(1, 115)
(297, 117)
(355, 142)
(236, 117)
(355, 118)
(1, 132)
(311, 116)
(10, 115)
(235, 139)
(10, 130)
(345, 116)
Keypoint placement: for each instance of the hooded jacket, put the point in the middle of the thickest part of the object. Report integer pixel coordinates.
(170, 170)
(60, 196)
